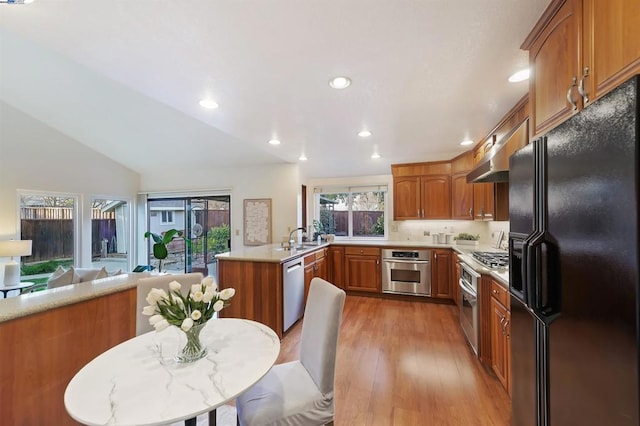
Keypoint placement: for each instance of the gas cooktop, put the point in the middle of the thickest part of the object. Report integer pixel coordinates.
(492, 259)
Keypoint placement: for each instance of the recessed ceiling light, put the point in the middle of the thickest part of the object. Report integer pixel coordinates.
(466, 142)
(521, 75)
(302, 157)
(274, 142)
(375, 155)
(364, 134)
(208, 103)
(340, 82)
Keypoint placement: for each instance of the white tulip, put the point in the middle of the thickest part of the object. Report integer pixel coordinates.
(175, 286)
(209, 294)
(159, 326)
(154, 296)
(196, 315)
(208, 282)
(149, 310)
(187, 324)
(197, 296)
(179, 302)
(227, 293)
(218, 306)
(196, 287)
(155, 319)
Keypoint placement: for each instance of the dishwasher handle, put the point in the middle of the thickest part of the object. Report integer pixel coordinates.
(291, 268)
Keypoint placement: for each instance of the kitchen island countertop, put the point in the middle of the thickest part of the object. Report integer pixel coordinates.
(274, 253)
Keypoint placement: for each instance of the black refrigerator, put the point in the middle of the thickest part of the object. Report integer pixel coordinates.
(573, 246)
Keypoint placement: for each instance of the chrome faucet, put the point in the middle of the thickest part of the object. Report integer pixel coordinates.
(291, 240)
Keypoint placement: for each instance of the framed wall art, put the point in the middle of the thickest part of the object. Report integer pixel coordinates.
(257, 221)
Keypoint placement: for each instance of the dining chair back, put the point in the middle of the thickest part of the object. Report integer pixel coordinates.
(162, 282)
(301, 392)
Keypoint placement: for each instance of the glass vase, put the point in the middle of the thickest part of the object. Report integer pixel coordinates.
(194, 349)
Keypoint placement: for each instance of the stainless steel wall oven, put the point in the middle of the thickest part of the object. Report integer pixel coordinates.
(406, 272)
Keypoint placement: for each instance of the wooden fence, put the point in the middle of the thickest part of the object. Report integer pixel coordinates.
(363, 222)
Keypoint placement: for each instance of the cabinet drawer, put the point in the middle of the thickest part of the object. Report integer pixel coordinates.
(500, 294)
(362, 251)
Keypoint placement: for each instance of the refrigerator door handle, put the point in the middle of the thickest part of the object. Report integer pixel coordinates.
(541, 269)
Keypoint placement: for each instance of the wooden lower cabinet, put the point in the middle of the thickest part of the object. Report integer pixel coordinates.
(441, 273)
(336, 266)
(455, 274)
(315, 265)
(362, 269)
(501, 335)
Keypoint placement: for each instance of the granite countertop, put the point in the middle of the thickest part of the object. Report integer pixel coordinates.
(274, 253)
(32, 303)
(269, 253)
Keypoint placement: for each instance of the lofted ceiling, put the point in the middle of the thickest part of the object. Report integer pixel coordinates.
(124, 77)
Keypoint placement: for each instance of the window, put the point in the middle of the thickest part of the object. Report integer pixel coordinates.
(48, 220)
(351, 212)
(110, 235)
(167, 217)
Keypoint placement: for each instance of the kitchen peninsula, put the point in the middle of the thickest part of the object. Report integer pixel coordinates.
(49, 335)
(355, 266)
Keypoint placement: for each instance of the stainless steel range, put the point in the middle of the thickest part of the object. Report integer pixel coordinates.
(468, 287)
(492, 259)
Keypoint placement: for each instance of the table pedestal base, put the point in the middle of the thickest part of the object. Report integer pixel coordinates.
(212, 419)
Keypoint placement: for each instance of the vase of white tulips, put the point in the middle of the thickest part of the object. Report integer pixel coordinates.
(190, 313)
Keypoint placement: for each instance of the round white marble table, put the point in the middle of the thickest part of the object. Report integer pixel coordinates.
(7, 288)
(138, 383)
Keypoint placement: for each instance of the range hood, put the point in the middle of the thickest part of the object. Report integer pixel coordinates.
(494, 166)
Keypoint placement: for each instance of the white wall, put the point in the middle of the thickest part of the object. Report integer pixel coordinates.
(34, 156)
(280, 182)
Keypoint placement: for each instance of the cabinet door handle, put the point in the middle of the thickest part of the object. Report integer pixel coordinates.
(418, 213)
(583, 93)
(377, 261)
(471, 212)
(422, 213)
(573, 103)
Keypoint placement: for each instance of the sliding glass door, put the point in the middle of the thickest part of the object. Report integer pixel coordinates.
(203, 220)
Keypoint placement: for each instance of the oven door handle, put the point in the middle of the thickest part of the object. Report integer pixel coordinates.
(469, 270)
(467, 289)
(404, 261)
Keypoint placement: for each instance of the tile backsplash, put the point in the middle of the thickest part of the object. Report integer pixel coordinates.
(415, 230)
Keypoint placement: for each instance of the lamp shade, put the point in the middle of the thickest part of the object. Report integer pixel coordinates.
(15, 248)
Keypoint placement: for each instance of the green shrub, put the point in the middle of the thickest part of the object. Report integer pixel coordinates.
(46, 267)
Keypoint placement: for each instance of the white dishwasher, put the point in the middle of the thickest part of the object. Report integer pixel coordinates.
(293, 291)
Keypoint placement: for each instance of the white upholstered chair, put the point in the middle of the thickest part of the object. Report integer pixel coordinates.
(301, 392)
(160, 281)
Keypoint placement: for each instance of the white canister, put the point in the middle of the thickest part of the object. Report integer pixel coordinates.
(449, 238)
(442, 238)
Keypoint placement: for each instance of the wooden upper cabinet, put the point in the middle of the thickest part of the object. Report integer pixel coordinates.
(611, 52)
(406, 198)
(483, 201)
(555, 61)
(436, 197)
(422, 190)
(461, 197)
(578, 51)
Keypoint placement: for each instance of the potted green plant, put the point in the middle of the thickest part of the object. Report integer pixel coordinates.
(467, 239)
(160, 242)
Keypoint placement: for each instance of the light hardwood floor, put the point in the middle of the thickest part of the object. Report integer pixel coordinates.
(407, 363)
